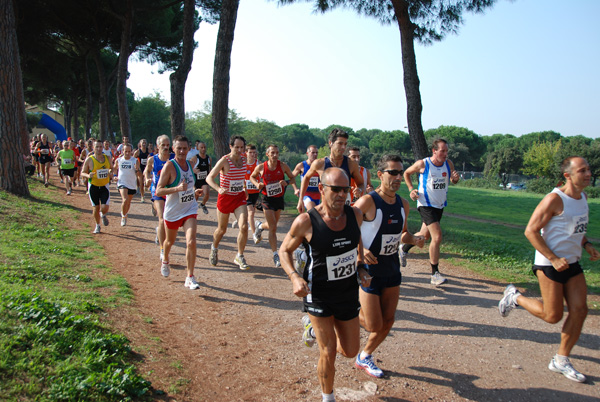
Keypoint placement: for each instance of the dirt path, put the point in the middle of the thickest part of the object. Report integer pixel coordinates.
(238, 337)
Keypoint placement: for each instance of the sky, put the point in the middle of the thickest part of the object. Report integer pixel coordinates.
(523, 66)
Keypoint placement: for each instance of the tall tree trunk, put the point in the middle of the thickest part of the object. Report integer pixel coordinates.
(179, 77)
(220, 102)
(13, 124)
(89, 110)
(68, 112)
(122, 70)
(414, 107)
(102, 97)
(75, 114)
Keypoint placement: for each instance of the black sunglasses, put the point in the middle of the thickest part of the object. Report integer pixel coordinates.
(337, 189)
(393, 172)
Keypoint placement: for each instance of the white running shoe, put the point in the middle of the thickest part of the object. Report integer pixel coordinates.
(97, 230)
(300, 261)
(105, 220)
(437, 279)
(213, 257)
(123, 221)
(190, 282)
(143, 199)
(308, 334)
(509, 300)
(234, 224)
(165, 270)
(369, 366)
(257, 236)
(276, 260)
(402, 254)
(241, 261)
(567, 370)
(69, 192)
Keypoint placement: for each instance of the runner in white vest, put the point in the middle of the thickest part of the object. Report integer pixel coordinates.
(557, 230)
(435, 175)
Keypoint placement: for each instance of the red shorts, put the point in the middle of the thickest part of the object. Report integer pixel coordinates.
(227, 203)
(179, 223)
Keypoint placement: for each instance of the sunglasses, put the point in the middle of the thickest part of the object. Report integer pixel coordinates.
(393, 172)
(337, 189)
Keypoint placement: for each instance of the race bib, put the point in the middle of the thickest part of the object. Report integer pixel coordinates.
(126, 166)
(390, 244)
(274, 189)
(144, 161)
(313, 182)
(45, 151)
(250, 185)
(341, 266)
(202, 175)
(236, 186)
(186, 196)
(67, 161)
(439, 184)
(102, 173)
(580, 224)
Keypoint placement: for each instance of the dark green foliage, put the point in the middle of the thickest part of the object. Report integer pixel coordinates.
(541, 186)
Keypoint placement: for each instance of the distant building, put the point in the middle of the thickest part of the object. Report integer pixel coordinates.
(51, 123)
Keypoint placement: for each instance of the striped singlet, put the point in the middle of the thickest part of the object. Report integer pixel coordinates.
(233, 181)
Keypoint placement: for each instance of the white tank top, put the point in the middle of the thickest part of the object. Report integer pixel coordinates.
(127, 172)
(564, 233)
(433, 185)
(182, 203)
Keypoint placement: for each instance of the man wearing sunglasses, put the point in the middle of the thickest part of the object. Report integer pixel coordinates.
(435, 175)
(331, 233)
(382, 230)
(338, 141)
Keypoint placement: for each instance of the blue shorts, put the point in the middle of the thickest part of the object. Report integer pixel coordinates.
(155, 198)
(308, 198)
(378, 283)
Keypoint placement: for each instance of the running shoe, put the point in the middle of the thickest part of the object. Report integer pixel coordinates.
(105, 220)
(69, 192)
(165, 270)
(46, 184)
(241, 261)
(257, 236)
(300, 261)
(97, 230)
(143, 199)
(509, 300)
(62, 181)
(213, 257)
(437, 279)
(403, 254)
(308, 335)
(234, 224)
(369, 366)
(123, 221)
(190, 282)
(204, 209)
(567, 370)
(276, 260)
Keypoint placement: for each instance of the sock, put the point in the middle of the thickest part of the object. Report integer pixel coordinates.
(363, 355)
(560, 359)
(213, 247)
(434, 269)
(97, 225)
(328, 397)
(239, 255)
(406, 247)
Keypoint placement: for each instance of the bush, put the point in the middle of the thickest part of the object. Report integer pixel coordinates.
(480, 182)
(593, 192)
(541, 186)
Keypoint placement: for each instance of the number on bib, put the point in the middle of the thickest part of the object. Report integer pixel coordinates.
(341, 266)
(236, 186)
(102, 173)
(202, 175)
(390, 244)
(274, 189)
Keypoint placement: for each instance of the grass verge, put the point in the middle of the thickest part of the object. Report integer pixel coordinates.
(53, 285)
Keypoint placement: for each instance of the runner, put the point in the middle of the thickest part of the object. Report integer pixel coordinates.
(231, 169)
(312, 197)
(89, 150)
(45, 157)
(152, 174)
(202, 166)
(35, 154)
(273, 187)
(338, 140)
(107, 150)
(253, 202)
(96, 169)
(176, 183)
(354, 154)
(142, 154)
(557, 231)
(329, 287)
(66, 164)
(77, 150)
(384, 226)
(129, 174)
(435, 175)
(58, 146)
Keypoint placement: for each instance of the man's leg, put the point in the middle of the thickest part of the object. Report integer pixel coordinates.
(576, 297)
(96, 213)
(124, 195)
(377, 315)
(251, 213)
(550, 309)
(241, 214)
(159, 207)
(435, 231)
(222, 220)
(190, 227)
(170, 237)
(272, 218)
(205, 193)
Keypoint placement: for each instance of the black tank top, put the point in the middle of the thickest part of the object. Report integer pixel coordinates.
(331, 268)
(143, 157)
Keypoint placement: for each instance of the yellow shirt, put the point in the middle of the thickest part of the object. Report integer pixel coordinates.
(101, 178)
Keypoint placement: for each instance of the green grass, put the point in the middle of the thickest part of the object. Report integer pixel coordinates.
(54, 283)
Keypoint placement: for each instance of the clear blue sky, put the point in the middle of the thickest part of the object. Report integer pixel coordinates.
(521, 67)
